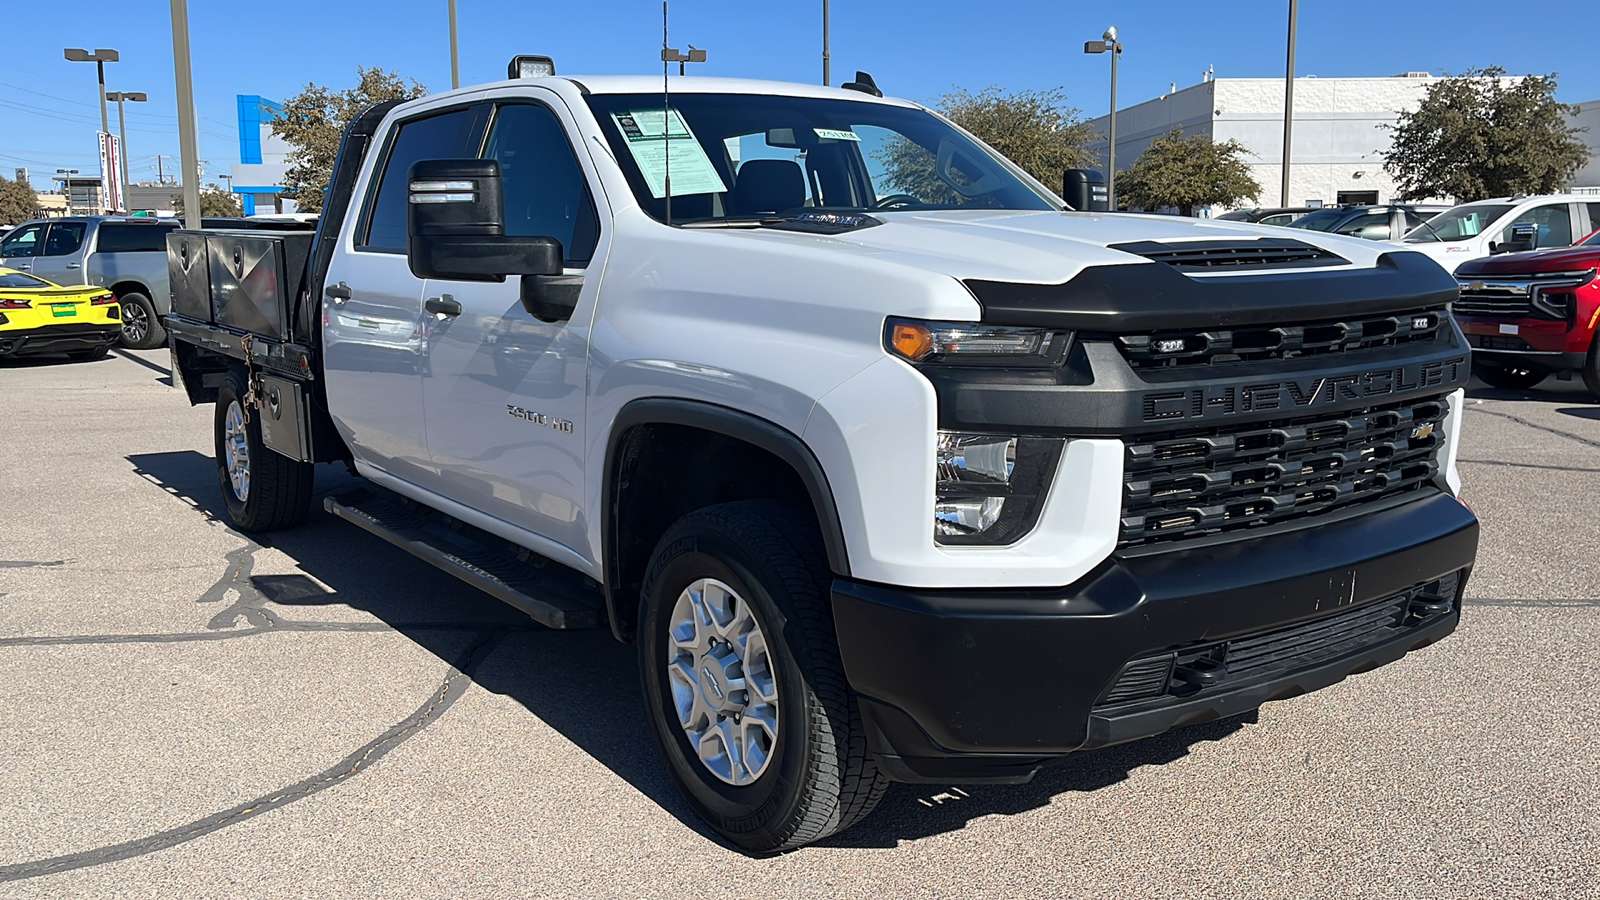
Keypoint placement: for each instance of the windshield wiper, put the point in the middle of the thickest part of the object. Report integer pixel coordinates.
(813, 222)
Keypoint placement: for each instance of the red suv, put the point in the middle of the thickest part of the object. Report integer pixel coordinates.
(1528, 315)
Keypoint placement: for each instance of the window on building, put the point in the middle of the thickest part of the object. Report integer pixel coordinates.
(435, 137)
(23, 242)
(545, 192)
(1357, 198)
(64, 238)
(129, 238)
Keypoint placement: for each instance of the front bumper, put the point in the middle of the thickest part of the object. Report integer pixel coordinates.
(971, 685)
(1550, 344)
(58, 338)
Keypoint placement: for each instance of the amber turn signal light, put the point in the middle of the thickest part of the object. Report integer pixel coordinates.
(911, 340)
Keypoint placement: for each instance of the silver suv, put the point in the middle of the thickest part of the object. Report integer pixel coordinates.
(126, 254)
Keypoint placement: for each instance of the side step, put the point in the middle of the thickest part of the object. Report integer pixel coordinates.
(552, 594)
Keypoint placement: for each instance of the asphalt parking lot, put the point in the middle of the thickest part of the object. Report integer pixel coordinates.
(194, 713)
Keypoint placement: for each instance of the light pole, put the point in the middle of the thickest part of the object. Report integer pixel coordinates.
(99, 57)
(455, 58)
(188, 138)
(122, 133)
(1288, 101)
(826, 56)
(1109, 42)
(67, 183)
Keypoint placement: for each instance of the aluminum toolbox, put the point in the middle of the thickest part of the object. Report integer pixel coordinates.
(189, 274)
(255, 279)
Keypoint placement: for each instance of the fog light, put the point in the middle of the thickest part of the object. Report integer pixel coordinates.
(989, 487)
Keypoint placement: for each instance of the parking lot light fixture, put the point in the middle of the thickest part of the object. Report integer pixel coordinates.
(1109, 42)
(99, 57)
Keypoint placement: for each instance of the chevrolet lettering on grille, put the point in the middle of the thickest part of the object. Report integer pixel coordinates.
(1211, 402)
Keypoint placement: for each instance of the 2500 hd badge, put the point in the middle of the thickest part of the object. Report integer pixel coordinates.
(535, 418)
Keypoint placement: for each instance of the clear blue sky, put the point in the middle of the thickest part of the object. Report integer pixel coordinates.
(918, 50)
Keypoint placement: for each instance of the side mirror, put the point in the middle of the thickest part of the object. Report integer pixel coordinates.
(1519, 238)
(455, 226)
(1084, 190)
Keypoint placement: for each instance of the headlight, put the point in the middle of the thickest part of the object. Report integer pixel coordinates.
(990, 487)
(970, 343)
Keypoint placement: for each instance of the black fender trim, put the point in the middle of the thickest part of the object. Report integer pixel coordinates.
(761, 433)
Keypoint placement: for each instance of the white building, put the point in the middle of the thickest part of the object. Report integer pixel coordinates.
(1339, 139)
(1588, 178)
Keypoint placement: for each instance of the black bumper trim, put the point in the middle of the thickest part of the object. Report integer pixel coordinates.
(986, 674)
(1553, 360)
(59, 338)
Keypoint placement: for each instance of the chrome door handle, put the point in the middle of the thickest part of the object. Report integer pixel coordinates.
(22, 267)
(72, 265)
(443, 306)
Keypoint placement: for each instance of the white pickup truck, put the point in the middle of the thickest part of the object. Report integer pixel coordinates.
(894, 466)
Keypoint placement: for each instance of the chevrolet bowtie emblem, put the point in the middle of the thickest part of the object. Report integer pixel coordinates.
(1423, 430)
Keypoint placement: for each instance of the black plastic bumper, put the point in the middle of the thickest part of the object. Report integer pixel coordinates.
(985, 685)
(58, 339)
(1553, 361)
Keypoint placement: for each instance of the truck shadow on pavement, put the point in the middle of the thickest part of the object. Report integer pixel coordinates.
(583, 683)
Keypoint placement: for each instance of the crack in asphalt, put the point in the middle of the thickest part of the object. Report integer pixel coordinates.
(1534, 425)
(32, 563)
(249, 605)
(1517, 465)
(454, 685)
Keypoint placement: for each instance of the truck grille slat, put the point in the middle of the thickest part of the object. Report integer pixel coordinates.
(1241, 345)
(1183, 485)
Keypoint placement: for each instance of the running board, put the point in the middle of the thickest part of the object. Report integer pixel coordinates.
(552, 594)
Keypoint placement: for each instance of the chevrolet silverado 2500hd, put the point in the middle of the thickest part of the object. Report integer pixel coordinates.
(893, 467)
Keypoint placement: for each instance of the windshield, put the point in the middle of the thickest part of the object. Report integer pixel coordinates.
(1320, 220)
(1458, 224)
(1592, 240)
(748, 156)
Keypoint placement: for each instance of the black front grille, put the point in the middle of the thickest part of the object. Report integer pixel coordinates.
(1206, 481)
(1171, 349)
(1498, 342)
(1206, 256)
(1185, 672)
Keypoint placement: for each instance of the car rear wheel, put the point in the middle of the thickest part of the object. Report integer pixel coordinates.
(263, 489)
(1591, 369)
(141, 326)
(742, 678)
(1509, 378)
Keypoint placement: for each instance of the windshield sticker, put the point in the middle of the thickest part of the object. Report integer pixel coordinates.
(648, 141)
(837, 134)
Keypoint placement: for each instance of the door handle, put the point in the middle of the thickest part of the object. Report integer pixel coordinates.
(22, 267)
(340, 291)
(72, 265)
(443, 306)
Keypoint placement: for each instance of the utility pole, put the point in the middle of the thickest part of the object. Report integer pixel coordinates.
(455, 58)
(161, 175)
(188, 138)
(826, 56)
(1288, 102)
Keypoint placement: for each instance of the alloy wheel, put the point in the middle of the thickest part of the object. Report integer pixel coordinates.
(236, 450)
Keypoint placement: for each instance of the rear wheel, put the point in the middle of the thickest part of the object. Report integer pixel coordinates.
(263, 489)
(1591, 369)
(141, 326)
(1509, 378)
(743, 682)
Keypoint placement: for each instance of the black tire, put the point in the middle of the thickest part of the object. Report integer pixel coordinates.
(1508, 378)
(821, 779)
(89, 355)
(278, 491)
(1591, 369)
(141, 325)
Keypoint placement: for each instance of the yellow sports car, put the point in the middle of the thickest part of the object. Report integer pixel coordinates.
(37, 317)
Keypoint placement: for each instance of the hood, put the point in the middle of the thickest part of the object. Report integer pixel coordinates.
(1046, 247)
(1564, 259)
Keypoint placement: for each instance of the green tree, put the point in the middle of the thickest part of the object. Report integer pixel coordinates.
(1187, 172)
(214, 202)
(313, 121)
(17, 202)
(1477, 136)
(1034, 129)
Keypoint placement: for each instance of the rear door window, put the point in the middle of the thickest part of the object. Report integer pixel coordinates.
(64, 238)
(440, 136)
(24, 241)
(1553, 221)
(130, 238)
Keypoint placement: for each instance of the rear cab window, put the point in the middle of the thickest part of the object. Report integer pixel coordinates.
(128, 237)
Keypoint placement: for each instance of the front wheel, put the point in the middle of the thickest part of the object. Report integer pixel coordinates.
(263, 489)
(1508, 378)
(141, 325)
(743, 682)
